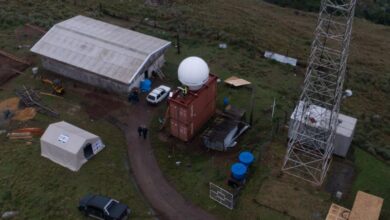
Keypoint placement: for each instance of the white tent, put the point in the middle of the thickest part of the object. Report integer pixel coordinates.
(68, 145)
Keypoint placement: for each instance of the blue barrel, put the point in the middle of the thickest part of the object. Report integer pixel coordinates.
(246, 158)
(238, 171)
(146, 85)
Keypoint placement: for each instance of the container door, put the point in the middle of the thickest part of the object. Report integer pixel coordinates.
(183, 115)
(173, 111)
(174, 128)
(183, 132)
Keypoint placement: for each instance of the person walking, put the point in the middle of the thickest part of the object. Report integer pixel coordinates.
(145, 132)
(140, 131)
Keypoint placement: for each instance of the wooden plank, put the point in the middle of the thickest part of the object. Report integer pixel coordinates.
(49, 94)
(235, 81)
(16, 71)
(14, 58)
(7, 77)
(337, 212)
(366, 207)
(36, 28)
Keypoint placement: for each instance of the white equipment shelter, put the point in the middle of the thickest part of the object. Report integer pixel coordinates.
(344, 132)
(68, 145)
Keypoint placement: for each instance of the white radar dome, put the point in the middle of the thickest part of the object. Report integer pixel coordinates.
(193, 72)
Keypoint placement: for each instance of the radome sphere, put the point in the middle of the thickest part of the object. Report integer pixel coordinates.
(193, 72)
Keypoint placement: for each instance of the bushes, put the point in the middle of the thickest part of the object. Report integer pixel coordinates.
(376, 11)
(305, 5)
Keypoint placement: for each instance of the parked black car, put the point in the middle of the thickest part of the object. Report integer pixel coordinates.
(102, 207)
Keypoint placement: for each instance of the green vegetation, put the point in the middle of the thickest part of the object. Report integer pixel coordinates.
(248, 27)
(377, 11)
(40, 189)
(373, 177)
(199, 167)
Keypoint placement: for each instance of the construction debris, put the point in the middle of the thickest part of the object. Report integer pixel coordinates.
(10, 104)
(10, 66)
(222, 45)
(14, 58)
(337, 212)
(31, 99)
(280, 58)
(55, 84)
(225, 129)
(34, 131)
(236, 82)
(25, 114)
(366, 206)
(25, 133)
(9, 214)
(19, 135)
(49, 94)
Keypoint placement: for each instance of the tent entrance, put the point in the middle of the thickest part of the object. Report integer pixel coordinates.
(88, 152)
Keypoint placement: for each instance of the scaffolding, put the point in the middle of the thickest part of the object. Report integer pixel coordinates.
(310, 148)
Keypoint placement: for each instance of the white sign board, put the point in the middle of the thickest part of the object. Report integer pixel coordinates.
(63, 138)
(221, 196)
(97, 146)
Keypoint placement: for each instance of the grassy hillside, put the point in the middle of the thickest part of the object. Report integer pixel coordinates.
(377, 11)
(248, 27)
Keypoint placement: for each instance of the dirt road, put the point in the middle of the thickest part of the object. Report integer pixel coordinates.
(168, 203)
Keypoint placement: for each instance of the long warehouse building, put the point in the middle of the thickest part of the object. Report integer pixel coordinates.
(100, 54)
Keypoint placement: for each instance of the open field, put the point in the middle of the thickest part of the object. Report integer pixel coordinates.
(41, 189)
(199, 166)
(248, 27)
(251, 27)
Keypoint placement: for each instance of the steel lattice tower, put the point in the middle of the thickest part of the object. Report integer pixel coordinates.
(310, 147)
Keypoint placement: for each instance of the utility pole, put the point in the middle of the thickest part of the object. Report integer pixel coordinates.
(252, 105)
(178, 42)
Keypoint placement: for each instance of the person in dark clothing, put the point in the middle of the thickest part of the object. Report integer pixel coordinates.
(145, 132)
(140, 131)
(135, 96)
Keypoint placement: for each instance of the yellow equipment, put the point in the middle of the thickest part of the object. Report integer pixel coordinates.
(56, 85)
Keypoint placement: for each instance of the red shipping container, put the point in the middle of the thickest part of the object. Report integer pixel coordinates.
(190, 112)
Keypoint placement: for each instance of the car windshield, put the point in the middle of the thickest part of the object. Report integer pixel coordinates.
(111, 205)
(151, 97)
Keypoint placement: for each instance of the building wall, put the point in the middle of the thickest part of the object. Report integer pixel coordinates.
(155, 62)
(83, 76)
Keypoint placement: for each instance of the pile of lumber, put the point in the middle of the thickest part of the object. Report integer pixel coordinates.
(25, 133)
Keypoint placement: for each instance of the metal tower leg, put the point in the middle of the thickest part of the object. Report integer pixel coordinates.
(310, 148)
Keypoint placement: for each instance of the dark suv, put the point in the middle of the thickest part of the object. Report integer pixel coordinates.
(102, 207)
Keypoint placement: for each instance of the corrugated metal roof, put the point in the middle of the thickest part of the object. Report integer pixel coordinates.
(99, 47)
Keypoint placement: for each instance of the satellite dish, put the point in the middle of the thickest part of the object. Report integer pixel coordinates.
(193, 72)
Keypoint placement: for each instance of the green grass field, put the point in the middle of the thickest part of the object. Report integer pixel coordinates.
(373, 177)
(39, 189)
